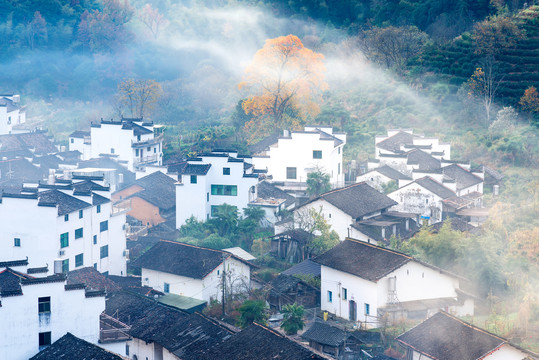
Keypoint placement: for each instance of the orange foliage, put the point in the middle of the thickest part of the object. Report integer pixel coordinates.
(284, 81)
(530, 100)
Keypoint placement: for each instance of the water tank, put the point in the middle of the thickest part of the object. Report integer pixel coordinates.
(58, 266)
(392, 286)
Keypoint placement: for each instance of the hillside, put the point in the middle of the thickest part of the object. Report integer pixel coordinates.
(517, 66)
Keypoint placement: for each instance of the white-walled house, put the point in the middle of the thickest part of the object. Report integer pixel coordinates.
(72, 221)
(211, 180)
(132, 142)
(291, 157)
(399, 141)
(343, 207)
(423, 197)
(363, 282)
(188, 270)
(444, 336)
(11, 113)
(35, 312)
(383, 175)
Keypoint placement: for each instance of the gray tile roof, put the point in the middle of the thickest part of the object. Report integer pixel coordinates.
(435, 187)
(463, 177)
(391, 173)
(66, 203)
(264, 144)
(357, 200)
(181, 259)
(159, 190)
(79, 134)
(267, 190)
(258, 342)
(306, 267)
(364, 260)
(71, 347)
(325, 334)
(394, 142)
(185, 168)
(424, 160)
(445, 337)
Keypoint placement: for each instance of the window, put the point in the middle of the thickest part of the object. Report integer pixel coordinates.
(166, 287)
(95, 266)
(44, 304)
(317, 154)
(104, 225)
(193, 179)
(79, 260)
(208, 197)
(127, 349)
(95, 239)
(339, 150)
(227, 190)
(330, 296)
(226, 171)
(291, 173)
(66, 217)
(98, 209)
(80, 214)
(104, 251)
(44, 339)
(155, 150)
(344, 293)
(64, 240)
(136, 152)
(214, 209)
(112, 150)
(367, 309)
(65, 266)
(149, 148)
(78, 233)
(17, 242)
(9, 120)
(72, 141)
(338, 168)
(426, 201)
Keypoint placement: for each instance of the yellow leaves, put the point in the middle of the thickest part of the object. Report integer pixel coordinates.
(284, 85)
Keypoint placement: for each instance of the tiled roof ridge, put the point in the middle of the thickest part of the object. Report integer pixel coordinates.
(196, 246)
(468, 171)
(16, 273)
(10, 263)
(341, 189)
(380, 248)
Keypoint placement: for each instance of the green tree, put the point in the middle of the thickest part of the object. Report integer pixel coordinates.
(317, 183)
(225, 220)
(292, 318)
(313, 222)
(252, 311)
(250, 225)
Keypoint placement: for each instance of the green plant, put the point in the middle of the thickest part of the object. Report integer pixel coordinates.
(292, 318)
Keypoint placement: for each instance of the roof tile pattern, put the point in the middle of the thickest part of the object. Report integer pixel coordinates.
(71, 347)
(445, 337)
(359, 258)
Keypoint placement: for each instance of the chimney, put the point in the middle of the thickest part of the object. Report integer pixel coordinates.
(52, 177)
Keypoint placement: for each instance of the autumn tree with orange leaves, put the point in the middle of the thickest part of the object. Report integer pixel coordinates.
(284, 83)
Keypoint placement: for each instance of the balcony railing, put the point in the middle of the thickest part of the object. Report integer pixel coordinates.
(111, 329)
(121, 207)
(145, 160)
(142, 143)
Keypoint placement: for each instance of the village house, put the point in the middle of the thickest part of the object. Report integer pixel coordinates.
(273, 201)
(345, 206)
(11, 113)
(188, 270)
(445, 337)
(210, 180)
(287, 289)
(290, 157)
(334, 341)
(71, 347)
(72, 221)
(258, 342)
(138, 326)
(131, 141)
(423, 197)
(37, 311)
(380, 229)
(152, 199)
(380, 177)
(400, 141)
(370, 284)
(26, 145)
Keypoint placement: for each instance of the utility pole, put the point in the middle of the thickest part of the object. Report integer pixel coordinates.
(223, 287)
